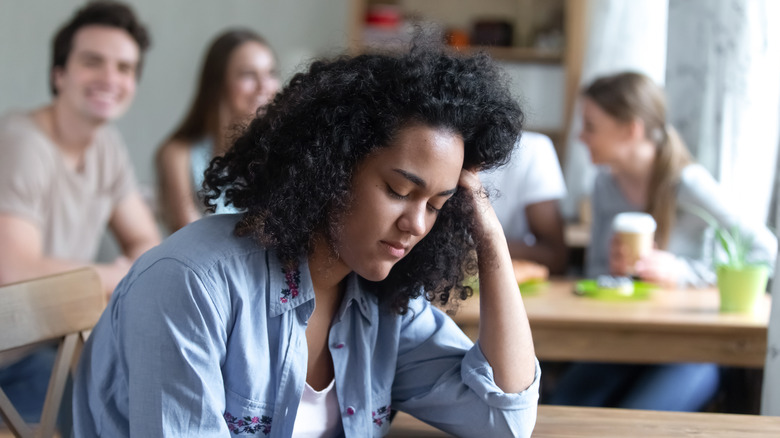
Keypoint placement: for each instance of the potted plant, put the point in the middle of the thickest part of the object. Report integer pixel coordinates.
(741, 282)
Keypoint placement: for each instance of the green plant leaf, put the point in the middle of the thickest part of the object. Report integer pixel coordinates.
(736, 244)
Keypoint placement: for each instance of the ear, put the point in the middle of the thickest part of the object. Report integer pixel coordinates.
(635, 129)
(57, 74)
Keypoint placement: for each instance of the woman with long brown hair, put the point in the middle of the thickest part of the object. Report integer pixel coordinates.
(238, 78)
(647, 168)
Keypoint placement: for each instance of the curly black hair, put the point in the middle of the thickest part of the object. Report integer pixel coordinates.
(291, 169)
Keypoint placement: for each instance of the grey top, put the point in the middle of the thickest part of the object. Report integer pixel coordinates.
(691, 240)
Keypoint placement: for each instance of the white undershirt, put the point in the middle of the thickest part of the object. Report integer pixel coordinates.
(318, 414)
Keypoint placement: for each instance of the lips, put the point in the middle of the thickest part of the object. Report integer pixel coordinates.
(395, 249)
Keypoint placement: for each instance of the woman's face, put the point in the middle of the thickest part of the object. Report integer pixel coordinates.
(396, 195)
(251, 79)
(603, 134)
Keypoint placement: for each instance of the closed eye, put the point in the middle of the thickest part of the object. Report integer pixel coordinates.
(394, 194)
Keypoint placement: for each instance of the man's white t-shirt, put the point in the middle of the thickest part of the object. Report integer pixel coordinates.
(533, 175)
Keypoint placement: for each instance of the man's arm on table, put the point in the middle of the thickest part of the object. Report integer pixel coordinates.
(546, 224)
(134, 226)
(21, 245)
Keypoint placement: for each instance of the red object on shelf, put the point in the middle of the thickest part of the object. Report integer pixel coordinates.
(383, 16)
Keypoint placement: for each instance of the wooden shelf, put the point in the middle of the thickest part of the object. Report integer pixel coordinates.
(522, 15)
(520, 54)
(507, 54)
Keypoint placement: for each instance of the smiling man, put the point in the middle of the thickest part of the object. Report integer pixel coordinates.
(65, 174)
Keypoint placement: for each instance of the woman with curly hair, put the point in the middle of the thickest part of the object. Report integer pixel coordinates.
(310, 313)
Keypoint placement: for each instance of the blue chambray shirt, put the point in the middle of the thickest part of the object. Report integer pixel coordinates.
(205, 337)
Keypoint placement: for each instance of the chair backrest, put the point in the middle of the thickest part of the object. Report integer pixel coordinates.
(62, 307)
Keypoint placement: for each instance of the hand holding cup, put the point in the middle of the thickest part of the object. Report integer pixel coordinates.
(632, 239)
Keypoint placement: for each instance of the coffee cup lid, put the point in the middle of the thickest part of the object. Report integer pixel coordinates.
(634, 222)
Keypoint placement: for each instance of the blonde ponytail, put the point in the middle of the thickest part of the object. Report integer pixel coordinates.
(671, 158)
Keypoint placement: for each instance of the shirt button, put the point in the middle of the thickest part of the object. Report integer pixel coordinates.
(340, 345)
(350, 410)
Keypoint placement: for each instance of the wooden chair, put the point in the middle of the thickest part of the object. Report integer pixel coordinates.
(61, 307)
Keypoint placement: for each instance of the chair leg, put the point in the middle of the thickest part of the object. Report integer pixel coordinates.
(12, 419)
(59, 376)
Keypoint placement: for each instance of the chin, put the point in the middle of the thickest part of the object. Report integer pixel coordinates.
(374, 276)
(374, 273)
(105, 116)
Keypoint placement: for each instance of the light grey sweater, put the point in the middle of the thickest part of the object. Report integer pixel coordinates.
(691, 240)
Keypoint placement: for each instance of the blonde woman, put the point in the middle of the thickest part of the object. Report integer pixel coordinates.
(648, 168)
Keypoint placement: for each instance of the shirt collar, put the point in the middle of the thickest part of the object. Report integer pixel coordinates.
(356, 293)
(290, 286)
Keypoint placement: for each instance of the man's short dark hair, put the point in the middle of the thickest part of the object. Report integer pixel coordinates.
(102, 13)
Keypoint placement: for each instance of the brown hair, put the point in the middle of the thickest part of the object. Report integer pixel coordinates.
(100, 13)
(631, 96)
(202, 117)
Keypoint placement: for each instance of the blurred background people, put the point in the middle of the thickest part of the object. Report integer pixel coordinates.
(647, 168)
(238, 77)
(65, 174)
(528, 190)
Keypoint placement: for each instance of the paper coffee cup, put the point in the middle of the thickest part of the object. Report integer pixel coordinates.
(635, 231)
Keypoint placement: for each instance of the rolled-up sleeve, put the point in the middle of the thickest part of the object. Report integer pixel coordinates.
(478, 375)
(446, 381)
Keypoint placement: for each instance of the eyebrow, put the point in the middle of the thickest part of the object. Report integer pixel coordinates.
(421, 182)
(91, 54)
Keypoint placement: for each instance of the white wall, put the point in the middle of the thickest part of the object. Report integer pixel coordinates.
(540, 88)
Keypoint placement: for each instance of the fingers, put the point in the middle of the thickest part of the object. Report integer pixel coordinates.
(658, 267)
(485, 225)
(469, 180)
(618, 264)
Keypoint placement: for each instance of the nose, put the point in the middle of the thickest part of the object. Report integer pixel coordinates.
(109, 75)
(412, 220)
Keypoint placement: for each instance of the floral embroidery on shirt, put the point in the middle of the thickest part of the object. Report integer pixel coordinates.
(293, 278)
(248, 424)
(381, 415)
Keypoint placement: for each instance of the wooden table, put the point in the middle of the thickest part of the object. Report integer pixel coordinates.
(672, 326)
(570, 422)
